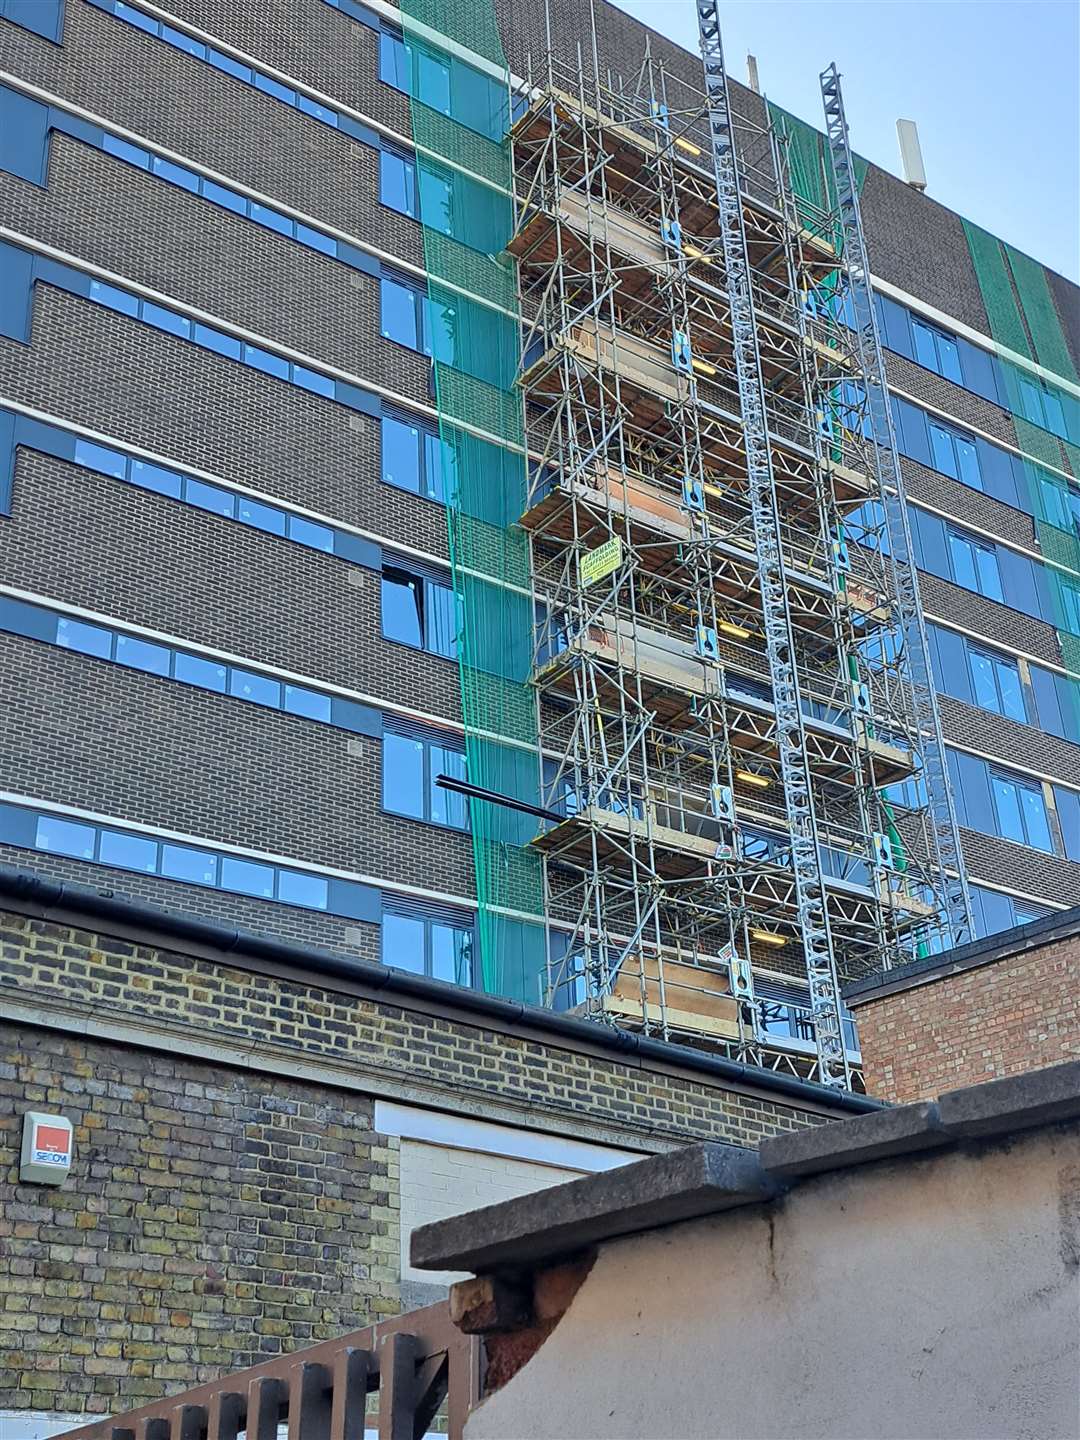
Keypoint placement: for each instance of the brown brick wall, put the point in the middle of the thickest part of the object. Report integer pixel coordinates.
(212, 1218)
(229, 1197)
(1017, 1013)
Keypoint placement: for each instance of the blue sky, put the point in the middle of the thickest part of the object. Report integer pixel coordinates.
(994, 88)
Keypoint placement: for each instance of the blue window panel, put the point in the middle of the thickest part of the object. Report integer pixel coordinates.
(216, 340)
(272, 219)
(1068, 694)
(265, 361)
(136, 18)
(320, 112)
(993, 911)
(311, 892)
(155, 477)
(394, 61)
(24, 132)
(64, 837)
(308, 703)
(227, 199)
(986, 565)
(361, 719)
(913, 437)
(128, 852)
(313, 381)
(7, 459)
(402, 608)
(401, 454)
(1047, 703)
(447, 807)
(404, 790)
(315, 537)
(247, 878)
(142, 655)
(262, 517)
(43, 17)
(451, 954)
(206, 674)
(18, 826)
(221, 61)
(979, 371)
(971, 781)
(440, 620)
(123, 151)
(196, 867)
(101, 459)
(953, 654)
(897, 327)
(433, 76)
(967, 459)
(397, 182)
(174, 174)
(949, 359)
(1017, 586)
(16, 273)
(441, 337)
(404, 942)
(361, 902)
(925, 349)
(436, 200)
(316, 239)
(357, 399)
(86, 639)
(274, 87)
(257, 688)
(19, 618)
(400, 313)
(1067, 803)
(167, 320)
(996, 469)
(1011, 691)
(933, 554)
(180, 41)
(943, 451)
(210, 497)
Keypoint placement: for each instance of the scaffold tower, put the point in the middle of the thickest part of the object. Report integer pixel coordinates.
(737, 759)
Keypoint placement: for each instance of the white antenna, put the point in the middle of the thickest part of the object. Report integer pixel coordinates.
(907, 132)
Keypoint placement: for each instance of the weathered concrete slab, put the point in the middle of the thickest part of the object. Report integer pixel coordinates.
(1041, 1097)
(697, 1180)
(903, 1131)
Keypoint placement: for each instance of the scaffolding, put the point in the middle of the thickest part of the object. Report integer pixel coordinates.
(734, 743)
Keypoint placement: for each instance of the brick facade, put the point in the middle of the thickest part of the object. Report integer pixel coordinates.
(230, 1195)
(999, 1007)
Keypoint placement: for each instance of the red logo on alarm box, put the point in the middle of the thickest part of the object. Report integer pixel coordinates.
(52, 1145)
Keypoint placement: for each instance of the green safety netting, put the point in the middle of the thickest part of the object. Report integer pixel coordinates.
(1023, 317)
(809, 169)
(460, 110)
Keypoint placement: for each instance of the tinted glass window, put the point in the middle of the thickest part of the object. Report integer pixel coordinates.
(87, 639)
(296, 888)
(403, 776)
(247, 878)
(399, 316)
(64, 837)
(180, 862)
(207, 674)
(129, 852)
(403, 946)
(141, 655)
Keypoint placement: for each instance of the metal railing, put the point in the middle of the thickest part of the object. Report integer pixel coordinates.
(419, 1364)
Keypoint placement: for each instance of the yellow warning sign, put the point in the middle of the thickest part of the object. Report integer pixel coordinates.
(601, 561)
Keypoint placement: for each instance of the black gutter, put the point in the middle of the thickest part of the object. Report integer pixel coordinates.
(40, 892)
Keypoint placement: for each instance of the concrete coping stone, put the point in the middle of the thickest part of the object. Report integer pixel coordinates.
(705, 1179)
(997, 1107)
(679, 1185)
(1016, 1102)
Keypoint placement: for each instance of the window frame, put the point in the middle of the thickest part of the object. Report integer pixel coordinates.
(426, 606)
(997, 662)
(430, 794)
(938, 340)
(978, 548)
(1000, 777)
(429, 922)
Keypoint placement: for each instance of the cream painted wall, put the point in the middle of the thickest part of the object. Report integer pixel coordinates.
(933, 1298)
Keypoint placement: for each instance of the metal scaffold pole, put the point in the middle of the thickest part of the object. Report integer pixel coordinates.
(945, 840)
(813, 916)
